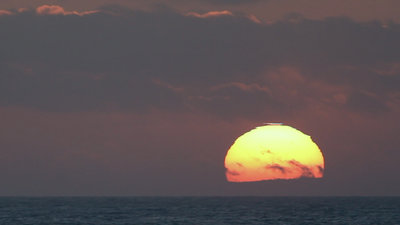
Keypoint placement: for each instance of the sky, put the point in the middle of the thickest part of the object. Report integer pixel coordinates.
(144, 98)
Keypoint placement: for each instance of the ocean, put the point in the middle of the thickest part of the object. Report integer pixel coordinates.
(199, 210)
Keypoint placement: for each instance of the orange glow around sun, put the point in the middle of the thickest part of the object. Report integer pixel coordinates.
(272, 152)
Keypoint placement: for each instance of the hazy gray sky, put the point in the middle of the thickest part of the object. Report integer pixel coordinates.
(125, 100)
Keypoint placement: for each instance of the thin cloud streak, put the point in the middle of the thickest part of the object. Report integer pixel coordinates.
(210, 14)
(58, 10)
(5, 12)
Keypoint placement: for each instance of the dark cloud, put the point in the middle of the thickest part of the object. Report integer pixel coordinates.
(321, 170)
(217, 2)
(306, 171)
(117, 59)
(233, 173)
(231, 2)
(366, 102)
(276, 167)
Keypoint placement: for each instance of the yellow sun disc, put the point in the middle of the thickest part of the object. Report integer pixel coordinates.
(273, 151)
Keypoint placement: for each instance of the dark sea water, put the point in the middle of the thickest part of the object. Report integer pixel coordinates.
(200, 210)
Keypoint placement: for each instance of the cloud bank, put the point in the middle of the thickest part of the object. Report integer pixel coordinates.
(230, 65)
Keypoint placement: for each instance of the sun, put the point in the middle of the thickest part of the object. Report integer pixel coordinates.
(273, 151)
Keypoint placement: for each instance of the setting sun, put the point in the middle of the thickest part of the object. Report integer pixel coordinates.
(273, 151)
